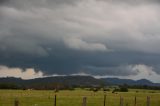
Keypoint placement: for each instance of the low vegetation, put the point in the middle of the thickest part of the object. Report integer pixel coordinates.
(74, 97)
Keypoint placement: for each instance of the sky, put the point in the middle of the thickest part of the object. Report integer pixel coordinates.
(101, 38)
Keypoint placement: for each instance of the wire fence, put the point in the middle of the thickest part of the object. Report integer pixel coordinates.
(77, 98)
(85, 101)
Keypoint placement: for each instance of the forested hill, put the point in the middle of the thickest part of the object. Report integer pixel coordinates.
(52, 82)
(117, 81)
(63, 82)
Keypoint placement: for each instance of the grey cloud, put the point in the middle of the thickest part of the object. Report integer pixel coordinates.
(30, 4)
(2, 2)
(156, 68)
(123, 70)
(26, 4)
(66, 36)
(132, 2)
(79, 44)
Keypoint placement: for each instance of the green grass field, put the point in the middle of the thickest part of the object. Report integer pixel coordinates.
(74, 98)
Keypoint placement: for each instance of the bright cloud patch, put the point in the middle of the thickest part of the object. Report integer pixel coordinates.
(141, 70)
(146, 72)
(79, 44)
(17, 72)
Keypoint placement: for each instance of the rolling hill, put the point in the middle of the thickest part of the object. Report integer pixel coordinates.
(71, 81)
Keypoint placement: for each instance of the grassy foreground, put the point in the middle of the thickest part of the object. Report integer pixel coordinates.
(74, 98)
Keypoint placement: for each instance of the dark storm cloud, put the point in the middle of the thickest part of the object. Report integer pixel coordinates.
(51, 3)
(73, 36)
(28, 4)
(132, 2)
(2, 2)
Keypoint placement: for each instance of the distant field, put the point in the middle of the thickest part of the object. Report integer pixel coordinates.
(74, 98)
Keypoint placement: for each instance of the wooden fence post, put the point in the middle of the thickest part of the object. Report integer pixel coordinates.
(55, 100)
(121, 101)
(84, 101)
(148, 101)
(135, 101)
(104, 99)
(127, 104)
(16, 102)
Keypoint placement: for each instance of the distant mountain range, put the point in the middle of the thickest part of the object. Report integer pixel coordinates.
(117, 81)
(74, 81)
(52, 82)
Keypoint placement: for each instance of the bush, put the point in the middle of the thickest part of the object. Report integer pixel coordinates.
(9, 86)
(94, 89)
(115, 90)
(123, 89)
(106, 89)
(120, 89)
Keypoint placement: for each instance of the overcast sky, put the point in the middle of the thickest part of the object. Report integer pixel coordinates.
(102, 38)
